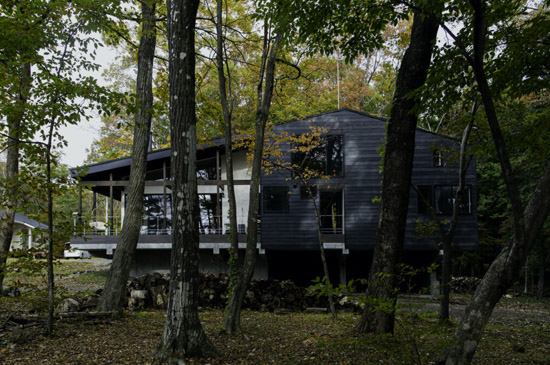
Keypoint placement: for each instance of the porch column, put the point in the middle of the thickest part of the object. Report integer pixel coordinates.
(111, 210)
(80, 204)
(94, 206)
(165, 208)
(218, 173)
(29, 238)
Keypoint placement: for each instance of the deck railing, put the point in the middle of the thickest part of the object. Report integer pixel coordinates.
(332, 224)
(150, 225)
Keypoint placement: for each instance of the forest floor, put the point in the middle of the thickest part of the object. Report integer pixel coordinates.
(519, 332)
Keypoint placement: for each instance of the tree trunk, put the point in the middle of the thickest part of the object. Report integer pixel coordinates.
(49, 187)
(227, 111)
(501, 274)
(12, 168)
(232, 319)
(183, 333)
(542, 273)
(398, 161)
(115, 286)
(449, 234)
(322, 249)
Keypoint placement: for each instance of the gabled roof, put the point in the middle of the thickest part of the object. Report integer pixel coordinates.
(101, 170)
(26, 221)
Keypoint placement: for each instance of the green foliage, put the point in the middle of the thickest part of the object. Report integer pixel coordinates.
(322, 288)
(27, 271)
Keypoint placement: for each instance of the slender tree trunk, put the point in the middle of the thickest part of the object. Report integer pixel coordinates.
(183, 333)
(12, 168)
(448, 235)
(112, 299)
(322, 248)
(49, 187)
(542, 273)
(232, 319)
(398, 161)
(227, 115)
(501, 274)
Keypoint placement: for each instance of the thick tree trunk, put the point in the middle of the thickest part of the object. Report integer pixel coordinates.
(501, 274)
(398, 162)
(227, 111)
(232, 319)
(12, 168)
(115, 286)
(183, 333)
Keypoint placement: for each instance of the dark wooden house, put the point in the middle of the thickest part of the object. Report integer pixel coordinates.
(349, 151)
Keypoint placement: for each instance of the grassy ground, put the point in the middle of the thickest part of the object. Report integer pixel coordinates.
(519, 333)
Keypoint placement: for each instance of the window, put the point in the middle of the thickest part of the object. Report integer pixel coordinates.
(155, 221)
(331, 205)
(438, 158)
(276, 199)
(426, 200)
(327, 158)
(206, 169)
(335, 155)
(442, 199)
(210, 214)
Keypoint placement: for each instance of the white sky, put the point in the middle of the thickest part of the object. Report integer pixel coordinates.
(81, 136)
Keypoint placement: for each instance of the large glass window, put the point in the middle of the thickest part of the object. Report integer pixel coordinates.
(327, 158)
(442, 199)
(275, 198)
(331, 205)
(210, 213)
(154, 220)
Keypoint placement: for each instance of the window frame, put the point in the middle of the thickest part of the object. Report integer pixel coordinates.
(286, 201)
(435, 203)
(323, 163)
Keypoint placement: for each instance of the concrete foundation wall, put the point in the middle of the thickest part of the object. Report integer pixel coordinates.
(148, 261)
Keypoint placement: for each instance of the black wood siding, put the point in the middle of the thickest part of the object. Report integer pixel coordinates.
(361, 184)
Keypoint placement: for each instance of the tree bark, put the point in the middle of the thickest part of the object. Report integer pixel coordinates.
(183, 333)
(227, 115)
(501, 274)
(12, 168)
(115, 286)
(232, 320)
(398, 161)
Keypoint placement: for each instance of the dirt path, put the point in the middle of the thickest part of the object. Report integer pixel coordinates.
(506, 311)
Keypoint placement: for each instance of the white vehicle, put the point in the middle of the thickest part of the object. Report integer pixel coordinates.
(73, 253)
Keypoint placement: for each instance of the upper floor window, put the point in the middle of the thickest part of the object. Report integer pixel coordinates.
(326, 158)
(275, 198)
(438, 158)
(442, 199)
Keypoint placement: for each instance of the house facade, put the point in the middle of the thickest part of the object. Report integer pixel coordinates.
(25, 235)
(348, 155)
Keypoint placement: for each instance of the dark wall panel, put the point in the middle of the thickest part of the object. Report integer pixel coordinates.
(361, 184)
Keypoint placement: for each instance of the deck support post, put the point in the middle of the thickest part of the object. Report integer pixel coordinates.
(343, 267)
